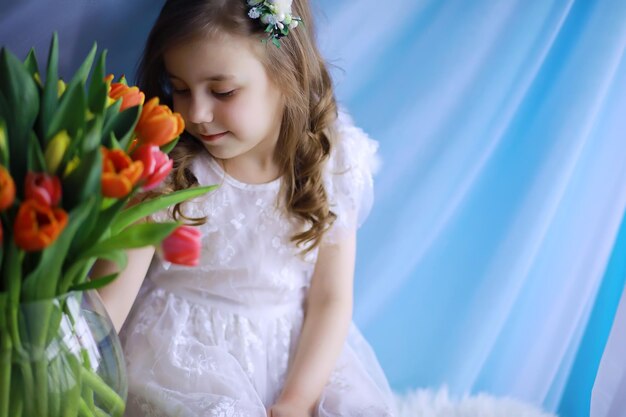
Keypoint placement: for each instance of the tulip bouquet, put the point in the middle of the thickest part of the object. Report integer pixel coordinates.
(74, 159)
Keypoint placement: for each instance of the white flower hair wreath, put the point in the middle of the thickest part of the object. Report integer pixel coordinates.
(276, 15)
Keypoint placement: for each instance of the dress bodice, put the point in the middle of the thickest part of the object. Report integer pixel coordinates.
(247, 254)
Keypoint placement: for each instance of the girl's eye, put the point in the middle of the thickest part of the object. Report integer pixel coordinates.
(180, 91)
(224, 94)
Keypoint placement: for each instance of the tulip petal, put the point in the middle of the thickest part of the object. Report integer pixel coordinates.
(37, 225)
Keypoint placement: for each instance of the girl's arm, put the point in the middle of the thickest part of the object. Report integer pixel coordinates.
(327, 318)
(119, 296)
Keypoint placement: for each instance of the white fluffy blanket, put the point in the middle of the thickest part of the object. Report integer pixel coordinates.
(429, 403)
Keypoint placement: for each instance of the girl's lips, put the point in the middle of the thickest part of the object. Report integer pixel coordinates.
(212, 138)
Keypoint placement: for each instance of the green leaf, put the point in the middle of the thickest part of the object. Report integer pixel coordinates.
(118, 257)
(98, 90)
(19, 88)
(30, 63)
(167, 148)
(72, 110)
(42, 282)
(123, 125)
(92, 138)
(111, 112)
(136, 236)
(49, 100)
(88, 225)
(4, 297)
(114, 143)
(74, 274)
(84, 181)
(79, 271)
(36, 160)
(12, 270)
(80, 77)
(71, 113)
(99, 224)
(20, 105)
(145, 208)
(93, 284)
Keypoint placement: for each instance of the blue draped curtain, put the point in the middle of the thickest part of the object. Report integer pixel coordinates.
(493, 259)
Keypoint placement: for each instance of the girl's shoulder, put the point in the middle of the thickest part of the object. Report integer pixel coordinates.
(353, 148)
(348, 176)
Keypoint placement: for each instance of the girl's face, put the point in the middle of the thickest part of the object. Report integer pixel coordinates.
(225, 96)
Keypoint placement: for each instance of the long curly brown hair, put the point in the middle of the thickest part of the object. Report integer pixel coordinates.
(297, 68)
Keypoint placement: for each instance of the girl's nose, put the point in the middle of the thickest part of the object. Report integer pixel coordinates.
(200, 110)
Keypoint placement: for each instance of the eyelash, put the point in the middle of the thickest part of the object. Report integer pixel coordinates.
(225, 95)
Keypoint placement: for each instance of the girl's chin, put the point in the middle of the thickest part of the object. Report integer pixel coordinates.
(219, 152)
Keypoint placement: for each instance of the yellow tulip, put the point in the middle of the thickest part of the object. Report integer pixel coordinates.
(55, 150)
(71, 166)
(60, 88)
(37, 78)
(3, 139)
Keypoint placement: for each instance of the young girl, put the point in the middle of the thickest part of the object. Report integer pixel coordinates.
(262, 326)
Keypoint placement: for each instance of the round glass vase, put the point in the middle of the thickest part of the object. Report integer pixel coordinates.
(61, 357)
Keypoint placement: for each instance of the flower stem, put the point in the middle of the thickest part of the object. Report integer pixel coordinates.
(101, 413)
(54, 404)
(5, 371)
(17, 396)
(28, 387)
(72, 397)
(109, 397)
(83, 409)
(23, 359)
(41, 386)
(87, 393)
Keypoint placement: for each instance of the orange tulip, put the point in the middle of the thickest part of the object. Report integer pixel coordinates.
(157, 124)
(37, 225)
(119, 173)
(7, 189)
(131, 96)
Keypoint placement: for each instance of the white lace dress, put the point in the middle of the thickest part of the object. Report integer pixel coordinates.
(216, 340)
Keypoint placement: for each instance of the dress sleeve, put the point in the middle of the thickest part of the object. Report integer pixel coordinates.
(348, 178)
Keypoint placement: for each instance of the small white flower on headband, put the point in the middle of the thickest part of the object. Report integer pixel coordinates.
(276, 15)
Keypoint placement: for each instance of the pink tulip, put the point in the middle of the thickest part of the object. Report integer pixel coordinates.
(156, 165)
(182, 247)
(44, 188)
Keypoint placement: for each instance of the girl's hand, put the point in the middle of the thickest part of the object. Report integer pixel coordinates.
(281, 409)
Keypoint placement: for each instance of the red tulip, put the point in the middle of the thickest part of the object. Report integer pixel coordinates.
(119, 173)
(182, 247)
(43, 187)
(7, 189)
(156, 165)
(38, 225)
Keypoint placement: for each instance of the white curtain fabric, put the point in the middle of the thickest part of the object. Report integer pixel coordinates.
(502, 135)
(609, 391)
